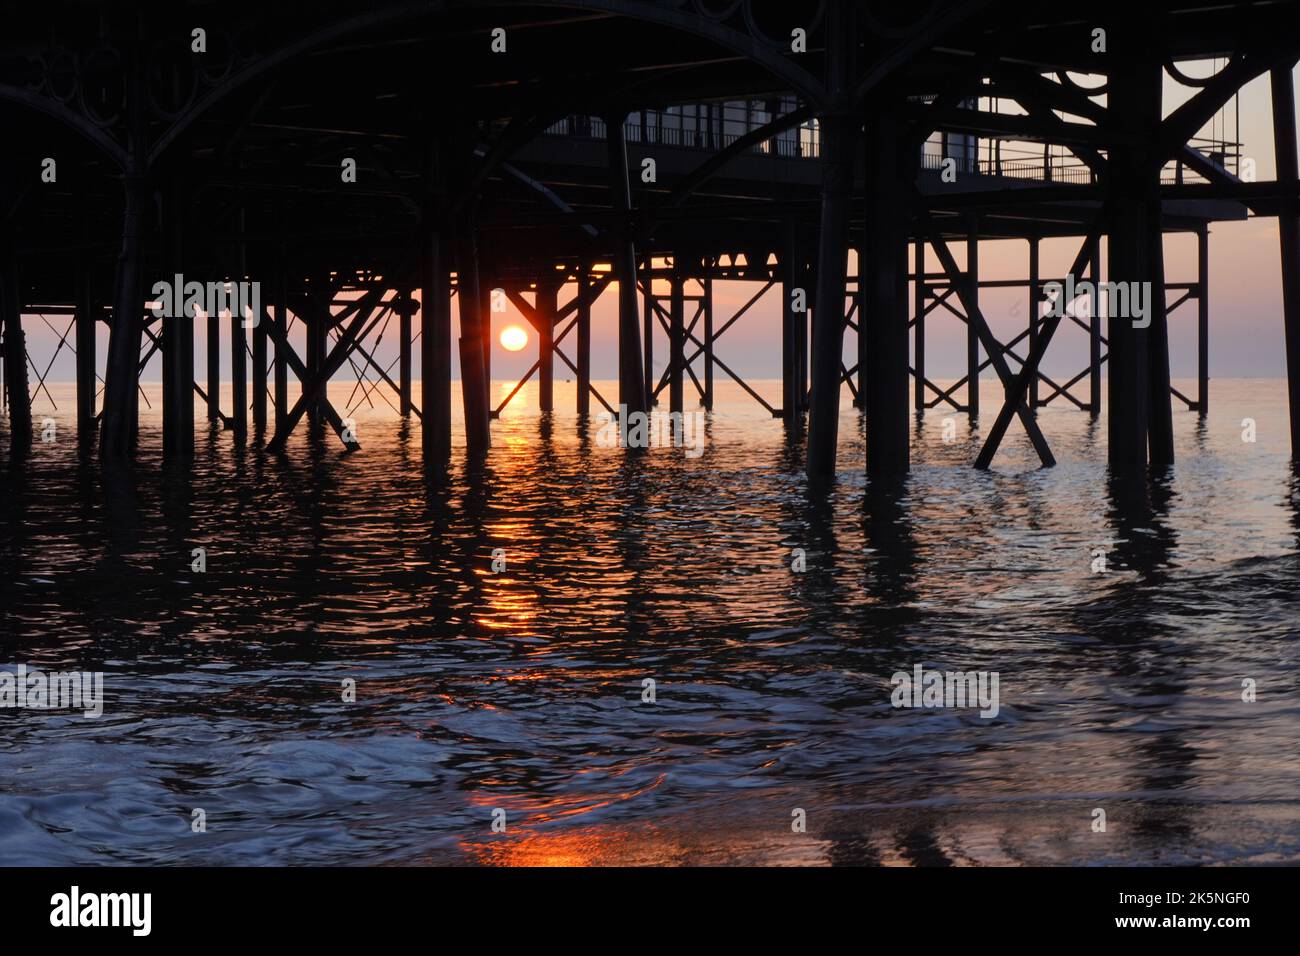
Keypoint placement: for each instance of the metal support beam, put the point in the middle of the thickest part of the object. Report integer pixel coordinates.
(1019, 388)
(1202, 321)
(473, 375)
(214, 367)
(85, 341)
(1133, 211)
(860, 308)
(1034, 296)
(1094, 331)
(281, 303)
(317, 381)
(918, 328)
(15, 355)
(793, 330)
(1288, 222)
(676, 341)
(404, 359)
(631, 374)
(547, 292)
(839, 130)
(972, 335)
(584, 341)
(117, 436)
(707, 305)
(260, 340)
(885, 321)
(994, 349)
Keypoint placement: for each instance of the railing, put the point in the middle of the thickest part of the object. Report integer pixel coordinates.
(715, 127)
(708, 126)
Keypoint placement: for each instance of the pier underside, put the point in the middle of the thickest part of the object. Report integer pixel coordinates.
(378, 173)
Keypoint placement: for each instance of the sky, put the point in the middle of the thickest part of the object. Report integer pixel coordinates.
(1246, 338)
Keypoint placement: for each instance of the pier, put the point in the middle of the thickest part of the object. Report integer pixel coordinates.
(377, 171)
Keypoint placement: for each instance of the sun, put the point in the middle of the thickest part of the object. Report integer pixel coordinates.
(513, 338)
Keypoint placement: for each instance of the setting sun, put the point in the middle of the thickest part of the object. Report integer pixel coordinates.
(513, 338)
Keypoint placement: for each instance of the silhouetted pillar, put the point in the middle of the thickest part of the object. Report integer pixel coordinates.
(314, 318)
(15, 357)
(435, 349)
(546, 308)
(86, 344)
(1288, 223)
(478, 436)
(214, 367)
(259, 371)
(793, 330)
(649, 318)
(584, 341)
(177, 332)
(1160, 435)
(918, 330)
(1202, 321)
(888, 451)
(1133, 208)
(1033, 314)
(238, 374)
(239, 345)
(677, 328)
(485, 304)
(708, 343)
(1094, 331)
(281, 295)
(632, 380)
(972, 336)
(404, 357)
(860, 309)
(122, 372)
(838, 134)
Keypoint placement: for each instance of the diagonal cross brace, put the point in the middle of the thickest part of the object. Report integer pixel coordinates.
(1019, 387)
(314, 388)
(277, 333)
(992, 347)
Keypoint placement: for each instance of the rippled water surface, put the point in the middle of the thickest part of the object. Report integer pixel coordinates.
(522, 689)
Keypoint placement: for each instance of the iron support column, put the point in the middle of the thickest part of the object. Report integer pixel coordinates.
(584, 341)
(708, 342)
(1288, 223)
(1133, 211)
(85, 341)
(888, 452)
(404, 357)
(1202, 321)
(1033, 316)
(281, 358)
(972, 335)
(677, 326)
(918, 331)
(15, 358)
(631, 377)
(546, 308)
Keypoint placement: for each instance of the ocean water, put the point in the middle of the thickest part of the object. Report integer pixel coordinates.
(516, 693)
